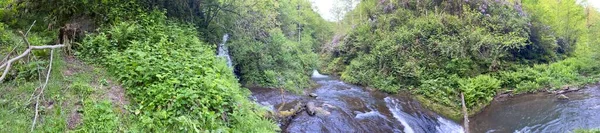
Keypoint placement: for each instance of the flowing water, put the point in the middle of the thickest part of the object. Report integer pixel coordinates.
(349, 108)
(541, 113)
(222, 51)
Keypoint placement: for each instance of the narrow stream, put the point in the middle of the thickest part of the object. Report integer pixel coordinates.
(349, 108)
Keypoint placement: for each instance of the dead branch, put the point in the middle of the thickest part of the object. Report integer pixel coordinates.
(25, 53)
(465, 114)
(37, 101)
(9, 62)
(13, 50)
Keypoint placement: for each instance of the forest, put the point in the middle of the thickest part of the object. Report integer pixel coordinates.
(151, 65)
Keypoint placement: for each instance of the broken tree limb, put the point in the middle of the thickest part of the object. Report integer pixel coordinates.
(13, 50)
(465, 114)
(9, 62)
(37, 101)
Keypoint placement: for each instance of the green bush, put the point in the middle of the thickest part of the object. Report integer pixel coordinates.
(527, 86)
(279, 63)
(443, 89)
(83, 89)
(479, 90)
(175, 79)
(99, 117)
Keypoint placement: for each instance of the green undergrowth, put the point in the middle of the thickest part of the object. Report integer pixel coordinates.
(283, 53)
(174, 79)
(70, 100)
(63, 97)
(17, 106)
(586, 131)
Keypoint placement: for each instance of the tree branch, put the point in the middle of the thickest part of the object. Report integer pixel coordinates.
(13, 50)
(9, 62)
(37, 103)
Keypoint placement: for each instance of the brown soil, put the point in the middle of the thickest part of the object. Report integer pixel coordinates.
(116, 94)
(75, 117)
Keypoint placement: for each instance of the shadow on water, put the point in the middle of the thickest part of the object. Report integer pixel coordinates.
(350, 108)
(541, 113)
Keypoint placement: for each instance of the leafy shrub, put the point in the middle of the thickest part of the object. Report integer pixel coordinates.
(279, 63)
(527, 86)
(83, 89)
(479, 90)
(31, 70)
(174, 77)
(99, 117)
(274, 43)
(443, 89)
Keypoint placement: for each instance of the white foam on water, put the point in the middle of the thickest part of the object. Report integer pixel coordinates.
(396, 110)
(316, 74)
(369, 114)
(447, 126)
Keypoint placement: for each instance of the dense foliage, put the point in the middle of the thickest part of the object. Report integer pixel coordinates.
(439, 49)
(273, 43)
(175, 78)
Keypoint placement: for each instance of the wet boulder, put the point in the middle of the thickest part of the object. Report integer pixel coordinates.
(291, 112)
(321, 112)
(310, 108)
(562, 97)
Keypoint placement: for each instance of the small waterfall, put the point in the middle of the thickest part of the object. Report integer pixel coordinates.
(420, 123)
(224, 52)
(399, 115)
(316, 74)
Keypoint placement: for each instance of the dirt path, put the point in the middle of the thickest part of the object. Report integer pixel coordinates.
(105, 89)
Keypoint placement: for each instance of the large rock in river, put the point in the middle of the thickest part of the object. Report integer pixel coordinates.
(310, 108)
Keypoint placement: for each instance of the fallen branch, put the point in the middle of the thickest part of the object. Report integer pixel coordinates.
(9, 62)
(13, 50)
(37, 102)
(465, 114)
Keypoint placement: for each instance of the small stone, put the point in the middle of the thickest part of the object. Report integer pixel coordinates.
(563, 97)
(312, 95)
